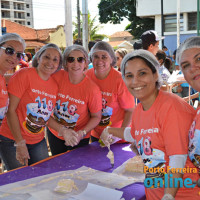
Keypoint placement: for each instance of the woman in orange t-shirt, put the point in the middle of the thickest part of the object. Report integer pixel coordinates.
(11, 51)
(188, 58)
(78, 105)
(32, 94)
(117, 102)
(160, 126)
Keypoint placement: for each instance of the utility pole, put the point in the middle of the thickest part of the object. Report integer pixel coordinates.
(78, 20)
(162, 23)
(68, 23)
(178, 23)
(85, 23)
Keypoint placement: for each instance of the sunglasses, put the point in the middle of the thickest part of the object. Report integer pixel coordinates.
(72, 59)
(10, 51)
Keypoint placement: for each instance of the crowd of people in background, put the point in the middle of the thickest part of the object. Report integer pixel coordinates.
(68, 99)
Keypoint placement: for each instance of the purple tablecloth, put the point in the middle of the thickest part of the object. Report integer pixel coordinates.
(91, 156)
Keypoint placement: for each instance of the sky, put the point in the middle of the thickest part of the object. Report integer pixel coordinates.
(50, 13)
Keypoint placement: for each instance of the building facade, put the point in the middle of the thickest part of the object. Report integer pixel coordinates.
(121, 39)
(188, 18)
(37, 38)
(19, 11)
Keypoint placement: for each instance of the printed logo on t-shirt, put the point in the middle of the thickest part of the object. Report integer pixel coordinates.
(143, 131)
(106, 114)
(152, 158)
(71, 98)
(108, 94)
(3, 111)
(44, 93)
(37, 115)
(194, 141)
(66, 114)
(4, 92)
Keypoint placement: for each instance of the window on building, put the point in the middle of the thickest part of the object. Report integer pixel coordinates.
(28, 23)
(28, 14)
(192, 21)
(170, 22)
(27, 5)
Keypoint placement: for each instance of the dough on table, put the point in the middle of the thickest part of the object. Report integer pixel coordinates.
(65, 186)
(110, 155)
(135, 164)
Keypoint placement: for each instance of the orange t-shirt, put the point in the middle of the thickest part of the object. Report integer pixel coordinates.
(115, 98)
(3, 99)
(160, 132)
(37, 100)
(75, 102)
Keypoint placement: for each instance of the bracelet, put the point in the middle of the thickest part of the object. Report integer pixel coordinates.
(20, 144)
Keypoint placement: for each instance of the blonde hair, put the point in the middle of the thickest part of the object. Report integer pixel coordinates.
(122, 52)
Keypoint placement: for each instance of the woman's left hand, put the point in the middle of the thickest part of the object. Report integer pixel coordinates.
(22, 154)
(70, 137)
(106, 137)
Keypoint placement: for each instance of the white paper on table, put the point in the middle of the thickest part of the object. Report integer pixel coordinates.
(98, 193)
(42, 194)
(81, 176)
(10, 196)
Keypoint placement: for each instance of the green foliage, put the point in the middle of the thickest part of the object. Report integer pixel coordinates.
(92, 29)
(114, 11)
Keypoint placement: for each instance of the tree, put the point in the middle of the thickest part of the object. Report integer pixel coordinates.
(114, 11)
(92, 29)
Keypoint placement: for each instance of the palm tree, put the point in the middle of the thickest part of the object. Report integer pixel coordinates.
(92, 29)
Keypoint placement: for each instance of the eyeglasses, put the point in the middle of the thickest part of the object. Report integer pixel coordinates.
(10, 51)
(72, 59)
